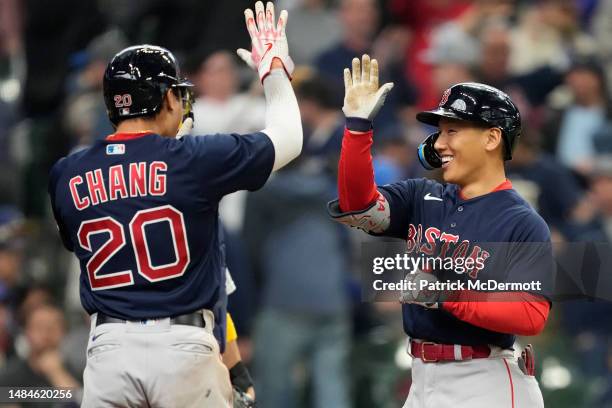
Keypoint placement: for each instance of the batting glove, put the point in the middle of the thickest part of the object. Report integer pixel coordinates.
(243, 400)
(362, 96)
(268, 41)
(418, 293)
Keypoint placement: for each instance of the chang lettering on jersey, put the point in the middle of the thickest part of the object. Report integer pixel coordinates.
(144, 223)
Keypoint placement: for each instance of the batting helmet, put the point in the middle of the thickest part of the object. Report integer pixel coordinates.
(473, 102)
(136, 80)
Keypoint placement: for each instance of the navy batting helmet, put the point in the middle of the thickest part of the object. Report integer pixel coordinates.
(473, 102)
(136, 80)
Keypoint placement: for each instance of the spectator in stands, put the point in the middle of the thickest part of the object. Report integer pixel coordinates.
(421, 17)
(571, 127)
(601, 27)
(586, 322)
(323, 123)
(601, 191)
(220, 107)
(11, 253)
(549, 34)
(6, 334)
(550, 187)
(85, 115)
(359, 21)
(494, 69)
(452, 54)
(394, 157)
(314, 20)
(493, 63)
(42, 367)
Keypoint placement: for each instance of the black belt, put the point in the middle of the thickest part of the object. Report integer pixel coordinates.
(191, 319)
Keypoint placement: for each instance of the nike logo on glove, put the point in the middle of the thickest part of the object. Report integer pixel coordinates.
(429, 197)
(269, 45)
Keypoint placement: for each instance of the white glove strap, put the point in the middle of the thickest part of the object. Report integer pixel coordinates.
(265, 66)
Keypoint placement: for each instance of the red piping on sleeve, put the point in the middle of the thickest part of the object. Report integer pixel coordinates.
(519, 313)
(356, 186)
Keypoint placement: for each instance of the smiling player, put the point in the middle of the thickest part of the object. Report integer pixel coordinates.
(462, 348)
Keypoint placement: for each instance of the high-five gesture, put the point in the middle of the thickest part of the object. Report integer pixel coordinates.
(268, 40)
(362, 97)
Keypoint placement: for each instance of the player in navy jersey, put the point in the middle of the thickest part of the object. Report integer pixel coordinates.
(461, 341)
(140, 211)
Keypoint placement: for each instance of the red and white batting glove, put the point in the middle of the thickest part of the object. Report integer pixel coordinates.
(268, 40)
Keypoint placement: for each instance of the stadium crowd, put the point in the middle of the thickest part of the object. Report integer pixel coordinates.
(303, 328)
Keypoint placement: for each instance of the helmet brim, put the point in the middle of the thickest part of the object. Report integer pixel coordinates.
(185, 83)
(433, 117)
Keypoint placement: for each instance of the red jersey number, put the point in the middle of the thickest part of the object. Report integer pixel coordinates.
(137, 228)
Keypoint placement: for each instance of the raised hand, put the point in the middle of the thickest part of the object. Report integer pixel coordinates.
(362, 96)
(268, 40)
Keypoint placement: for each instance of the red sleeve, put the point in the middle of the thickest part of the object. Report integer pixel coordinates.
(356, 187)
(509, 312)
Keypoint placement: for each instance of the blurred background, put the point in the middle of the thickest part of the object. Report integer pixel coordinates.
(307, 337)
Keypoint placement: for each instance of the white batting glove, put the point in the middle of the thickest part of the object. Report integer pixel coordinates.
(362, 97)
(268, 41)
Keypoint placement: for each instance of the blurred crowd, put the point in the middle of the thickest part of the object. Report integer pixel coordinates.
(303, 329)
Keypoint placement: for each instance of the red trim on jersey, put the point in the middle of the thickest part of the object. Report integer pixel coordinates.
(116, 137)
(511, 383)
(506, 185)
(519, 313)
(356, 186)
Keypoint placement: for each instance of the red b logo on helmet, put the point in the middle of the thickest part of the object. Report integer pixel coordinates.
(445, 97)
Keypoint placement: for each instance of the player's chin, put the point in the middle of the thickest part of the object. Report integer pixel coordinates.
(453, 176)
(449, 175)
(449, 179)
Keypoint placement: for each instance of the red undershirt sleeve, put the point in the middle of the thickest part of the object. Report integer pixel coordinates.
(356, 186)
(519, 313)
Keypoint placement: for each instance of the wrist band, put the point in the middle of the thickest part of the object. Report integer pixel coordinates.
(240, 377)
(359, 124)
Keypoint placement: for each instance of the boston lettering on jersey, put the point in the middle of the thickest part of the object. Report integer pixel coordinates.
(456, 227)
(122, 181)
(442, 245)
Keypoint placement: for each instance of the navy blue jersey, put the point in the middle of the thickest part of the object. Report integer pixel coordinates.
(436, 221)
(141, 214)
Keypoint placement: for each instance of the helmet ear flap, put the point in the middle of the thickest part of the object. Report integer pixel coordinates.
(426, 153)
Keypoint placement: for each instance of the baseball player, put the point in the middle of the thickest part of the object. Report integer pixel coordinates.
(461, 345)
(140, 211)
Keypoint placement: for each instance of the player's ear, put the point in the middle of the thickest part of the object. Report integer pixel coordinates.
(493, 139)
(171, 102)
